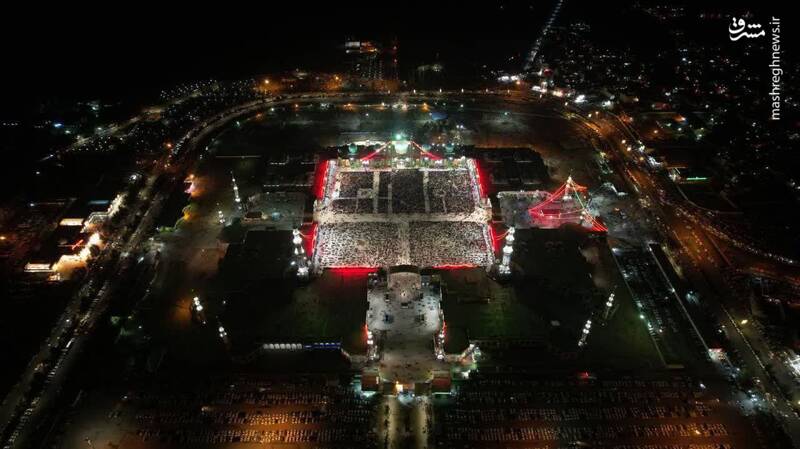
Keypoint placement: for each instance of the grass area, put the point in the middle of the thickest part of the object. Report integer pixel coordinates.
(623, 342)
(469, 317)
(562, 278)
(332, 308)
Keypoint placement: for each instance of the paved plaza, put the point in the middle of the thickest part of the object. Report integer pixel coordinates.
(405, 315)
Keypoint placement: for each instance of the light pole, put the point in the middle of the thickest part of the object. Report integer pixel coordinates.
(587, 328)
(300, 259)
(608, 312)
(236, 196)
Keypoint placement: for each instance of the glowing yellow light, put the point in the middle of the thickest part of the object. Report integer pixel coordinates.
(71, 222)
(94, 239)
(37, 267)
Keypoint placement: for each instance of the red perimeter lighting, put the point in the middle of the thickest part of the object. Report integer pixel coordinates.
(482, 188)
(309, 237)
(319, 178)
(352, 270)
(373, 154)
(493, 237)
(77, 244)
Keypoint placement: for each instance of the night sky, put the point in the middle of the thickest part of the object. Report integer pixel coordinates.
(130, 52)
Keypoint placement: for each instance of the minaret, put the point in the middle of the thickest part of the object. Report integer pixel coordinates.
(567, 187)
(505, 269)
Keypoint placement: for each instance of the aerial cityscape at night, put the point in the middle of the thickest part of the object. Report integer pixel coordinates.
(520, 224)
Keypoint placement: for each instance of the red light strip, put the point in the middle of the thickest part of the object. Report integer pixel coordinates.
(426, 153)
(492, 237)
(321, 179)
(77, 244)
(479, 179)
(577, 186)
(352, 270)
(597, 226)
(373, 154)
(310, 239)
(553, 196)
(535, 211)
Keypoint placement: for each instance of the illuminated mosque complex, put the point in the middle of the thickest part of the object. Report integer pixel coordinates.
(399, 203)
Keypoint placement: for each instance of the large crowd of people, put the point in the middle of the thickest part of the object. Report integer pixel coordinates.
(425, 244)
(358, 244)
(408, 191)
(352, 206)
(351, 182)
(383, 184)
(450, 191)
(408, 195)
(350, 234)
(437, 243)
